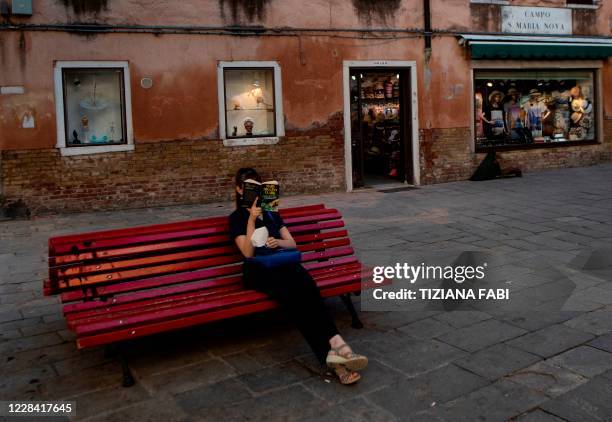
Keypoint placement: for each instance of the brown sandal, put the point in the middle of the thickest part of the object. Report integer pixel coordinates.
(352, 361)
(346, 376)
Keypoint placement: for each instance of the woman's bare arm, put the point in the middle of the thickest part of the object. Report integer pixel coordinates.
(286, 240)
(244, 241)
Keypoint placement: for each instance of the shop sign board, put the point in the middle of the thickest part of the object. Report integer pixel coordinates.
(536, 20)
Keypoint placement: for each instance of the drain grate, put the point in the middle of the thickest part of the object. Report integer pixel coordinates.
(393, 190)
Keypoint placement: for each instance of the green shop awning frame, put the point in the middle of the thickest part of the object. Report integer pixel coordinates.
(533, 47)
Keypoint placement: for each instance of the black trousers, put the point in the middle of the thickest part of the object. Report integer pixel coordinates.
(297, 293)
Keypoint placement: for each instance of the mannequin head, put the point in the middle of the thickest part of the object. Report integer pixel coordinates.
(248, 126)
(576, 92)
(534, 95)
(495, 97)
(513, 94)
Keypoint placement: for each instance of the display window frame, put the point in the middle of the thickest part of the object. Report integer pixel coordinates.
(569, 143)
(279, 128)
(61, 111)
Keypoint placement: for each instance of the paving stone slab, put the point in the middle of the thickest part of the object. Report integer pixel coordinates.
(187, 377)
(85, 359)
(155, 409)
(538, 415)
(587, 403)
(365, 409)
(548, 379)
(275, 376)
(65, 387)
(17, 384)
(460, 319)
(551, 340)
(153, 355)
(20, 344)
(481, 335)
(32, 358)
(533, 320)
(242, 363)
(410, 356)
(329, 414)
(219, 395)
(375, 376)
(98, 402)
(598, 322)
(496, 402)
(413, 395)
(496, 361)
(281, 405)
(603, 342)
(585, 360)
(426, 328)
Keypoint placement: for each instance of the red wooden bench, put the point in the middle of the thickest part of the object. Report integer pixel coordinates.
(122, 284)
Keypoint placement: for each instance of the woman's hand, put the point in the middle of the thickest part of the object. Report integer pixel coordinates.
(254, 211)
(272, 243)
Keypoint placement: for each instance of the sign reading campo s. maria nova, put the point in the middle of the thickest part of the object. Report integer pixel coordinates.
(536, 20)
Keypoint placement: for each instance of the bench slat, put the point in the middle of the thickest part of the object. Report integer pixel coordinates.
(149, 329)
(160, 228)
(147, 294)
(160, 309)
(205, 227)
(178, 295)
(152, 306)
(153, 282)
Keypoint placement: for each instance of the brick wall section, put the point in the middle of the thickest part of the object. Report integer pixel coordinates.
(175, 172)
(446, 155)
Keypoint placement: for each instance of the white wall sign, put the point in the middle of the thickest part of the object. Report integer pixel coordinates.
(536, 20)
(6, 90)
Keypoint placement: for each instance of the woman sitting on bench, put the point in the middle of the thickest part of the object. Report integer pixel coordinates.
(291, 286)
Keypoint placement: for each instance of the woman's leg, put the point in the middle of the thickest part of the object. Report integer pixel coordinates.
(293, 287)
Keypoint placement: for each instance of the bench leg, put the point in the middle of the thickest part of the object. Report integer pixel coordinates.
(356, 322)
(116, 351)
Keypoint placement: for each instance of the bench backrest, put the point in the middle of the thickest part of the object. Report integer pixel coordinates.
(183, 257)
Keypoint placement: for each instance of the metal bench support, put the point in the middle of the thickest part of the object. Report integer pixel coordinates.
(356, 322)
(116, 350)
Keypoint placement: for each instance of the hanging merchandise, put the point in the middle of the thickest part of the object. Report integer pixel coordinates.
(388, 89)
(478, 115)
(536, 111)
(581, 117)
(512, 110)
(493, 116)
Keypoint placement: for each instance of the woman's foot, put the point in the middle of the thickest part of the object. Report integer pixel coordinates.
(346, 376)
(342, 356)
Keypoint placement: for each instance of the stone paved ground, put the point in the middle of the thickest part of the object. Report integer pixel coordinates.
(535, 364)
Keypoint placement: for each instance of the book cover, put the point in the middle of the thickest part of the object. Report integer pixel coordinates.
(251, 189)
(268, 194)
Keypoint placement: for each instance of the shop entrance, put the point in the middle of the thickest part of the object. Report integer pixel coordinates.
(380, 122)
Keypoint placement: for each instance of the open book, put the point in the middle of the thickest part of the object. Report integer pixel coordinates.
(267, 192)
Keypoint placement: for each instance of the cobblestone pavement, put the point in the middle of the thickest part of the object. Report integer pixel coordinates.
(536, 364)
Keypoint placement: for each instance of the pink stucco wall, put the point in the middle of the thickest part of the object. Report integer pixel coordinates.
(183, 101)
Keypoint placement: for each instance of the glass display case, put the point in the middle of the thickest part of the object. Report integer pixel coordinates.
(94, 106)
(531, 108)
(249, 102)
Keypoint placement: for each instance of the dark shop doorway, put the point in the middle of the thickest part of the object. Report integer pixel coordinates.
(381, 149)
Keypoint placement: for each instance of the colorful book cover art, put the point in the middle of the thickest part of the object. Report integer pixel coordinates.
(270, 193)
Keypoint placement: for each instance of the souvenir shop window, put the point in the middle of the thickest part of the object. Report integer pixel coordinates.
(92, 107)
(534, 108)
